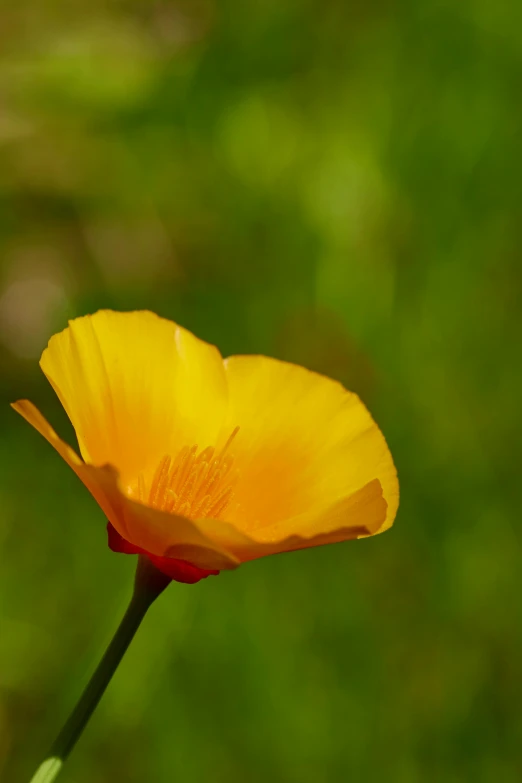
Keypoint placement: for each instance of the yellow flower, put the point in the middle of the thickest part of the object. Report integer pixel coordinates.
(203, 463)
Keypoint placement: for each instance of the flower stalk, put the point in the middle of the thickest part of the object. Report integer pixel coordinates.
(148, 585)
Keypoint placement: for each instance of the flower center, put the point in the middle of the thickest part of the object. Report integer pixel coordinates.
(192, 485)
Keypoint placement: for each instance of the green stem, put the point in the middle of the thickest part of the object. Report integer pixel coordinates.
(149, 583)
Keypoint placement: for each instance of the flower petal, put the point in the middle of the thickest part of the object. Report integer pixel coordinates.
(361, 514)
(135, 387)
(153, 531)
(304, 444)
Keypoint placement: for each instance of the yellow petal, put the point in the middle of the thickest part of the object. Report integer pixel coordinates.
(360, 514)
(304, 444)
(135, 387)
(356, 516)
(154, 531)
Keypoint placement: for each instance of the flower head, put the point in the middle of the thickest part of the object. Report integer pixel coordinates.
(202, 463)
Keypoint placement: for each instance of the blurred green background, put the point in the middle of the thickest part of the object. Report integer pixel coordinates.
(337, 184)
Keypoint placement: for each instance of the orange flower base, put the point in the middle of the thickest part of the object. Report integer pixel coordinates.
(178, 570)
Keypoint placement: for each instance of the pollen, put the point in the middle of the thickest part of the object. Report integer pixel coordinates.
(192, 485)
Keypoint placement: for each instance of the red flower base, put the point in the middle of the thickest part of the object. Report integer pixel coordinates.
(179, 570)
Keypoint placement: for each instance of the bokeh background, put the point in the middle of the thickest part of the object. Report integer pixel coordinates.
(334, 183)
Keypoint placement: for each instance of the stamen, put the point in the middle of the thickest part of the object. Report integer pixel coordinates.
(229, 441)
(193, 485)
(141, 488)
(159, 481)
(220, 502)
(206, 455)
(185, 470)
(201, 511)
(171, 500)
(205, 481)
